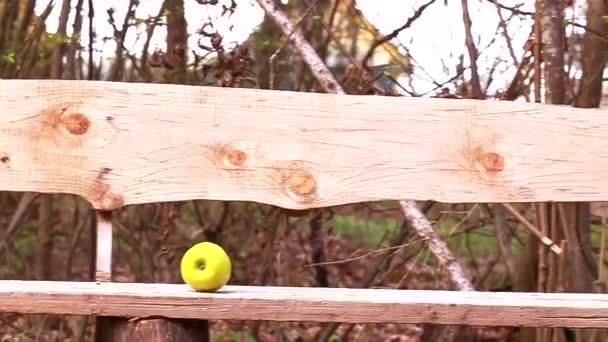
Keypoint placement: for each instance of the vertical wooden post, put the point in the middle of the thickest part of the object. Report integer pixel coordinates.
(137, 329)
(103, 251)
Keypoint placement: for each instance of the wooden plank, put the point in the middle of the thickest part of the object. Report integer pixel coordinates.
(127, 143)
(306, 304)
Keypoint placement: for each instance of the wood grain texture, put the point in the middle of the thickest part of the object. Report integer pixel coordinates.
(126, 143)
(306, 304)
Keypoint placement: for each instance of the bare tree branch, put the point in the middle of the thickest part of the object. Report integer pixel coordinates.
(75, 41)
(505, 33)
(513, 9)
(59, 49)
(415, 218)
(503, 238)
(151, 25)
(472, 49)
(116, 72)
(533, 229)
(396, 32)
(317, 67)
(438, 247)
(90, 62)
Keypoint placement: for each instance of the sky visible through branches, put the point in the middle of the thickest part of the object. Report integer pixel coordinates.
(435, 41)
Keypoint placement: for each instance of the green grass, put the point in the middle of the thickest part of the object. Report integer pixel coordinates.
(26, 239)
(240, 336)
(596, 237)
(367, 232)
(477, 244)
(370, 233)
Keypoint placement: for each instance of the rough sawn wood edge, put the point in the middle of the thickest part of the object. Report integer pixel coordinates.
(307, 304)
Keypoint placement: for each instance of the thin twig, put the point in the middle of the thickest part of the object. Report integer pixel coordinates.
(396, 31)
(543, 238)
(366, 255)
(512, 9)
(505, 33)
(589, 29)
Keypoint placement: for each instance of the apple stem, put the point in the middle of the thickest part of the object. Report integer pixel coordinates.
(200, 265)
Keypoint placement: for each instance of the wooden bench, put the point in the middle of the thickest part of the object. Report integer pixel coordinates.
(118, 144)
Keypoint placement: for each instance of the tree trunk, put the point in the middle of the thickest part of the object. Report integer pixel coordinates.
(573, 217)
(115, 329)
(476, 92)
(595, 50)
(24, 24)
(8, 16)
(72, 63)
(551, 18)
(525, 279)
(44, 234)
(177, 41)
(91, 70)
(59, 49)
(117, 71)
(265, 41)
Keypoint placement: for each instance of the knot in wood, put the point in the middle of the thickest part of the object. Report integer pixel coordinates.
(491, 161)
(301, 184)
(111, 201)
(227, 156)
(75, 123)
(4, 158)
(234, 157)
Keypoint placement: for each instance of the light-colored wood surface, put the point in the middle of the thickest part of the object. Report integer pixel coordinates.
(306, 304)
(103, 246)
(126, 143)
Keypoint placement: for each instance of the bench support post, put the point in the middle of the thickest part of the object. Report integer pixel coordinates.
(146, 329)
(118, 329)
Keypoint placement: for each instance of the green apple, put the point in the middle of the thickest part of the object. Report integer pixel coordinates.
(205, 267)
